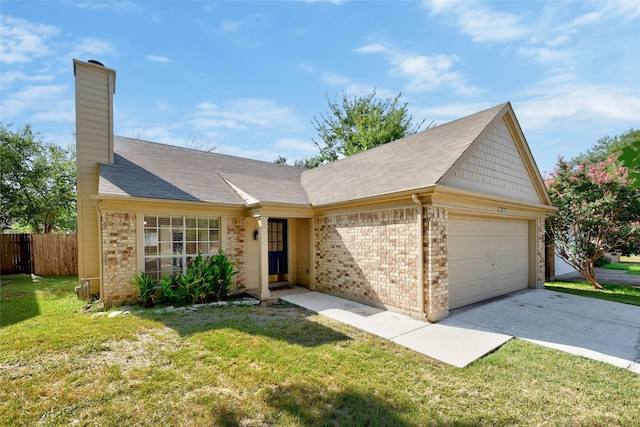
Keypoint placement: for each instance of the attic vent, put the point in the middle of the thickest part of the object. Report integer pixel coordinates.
(93, 61)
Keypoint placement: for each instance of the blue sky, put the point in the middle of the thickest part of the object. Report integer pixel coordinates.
(248, 77)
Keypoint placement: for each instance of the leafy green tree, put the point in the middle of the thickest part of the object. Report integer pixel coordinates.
(37, 186)
(281, 160)
(308, 162)
(360, 123)
(598, 208)
(623, 146)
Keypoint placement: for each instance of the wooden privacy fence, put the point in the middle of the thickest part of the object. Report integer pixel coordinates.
(47, 254)
(15, 253)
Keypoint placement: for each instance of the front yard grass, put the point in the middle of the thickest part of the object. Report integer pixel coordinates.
(616, 293)
(274, 365)
(629, 268)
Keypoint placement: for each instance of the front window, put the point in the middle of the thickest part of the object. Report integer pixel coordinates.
(171, 242)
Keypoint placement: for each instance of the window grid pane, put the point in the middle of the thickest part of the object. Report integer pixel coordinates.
(171, 242)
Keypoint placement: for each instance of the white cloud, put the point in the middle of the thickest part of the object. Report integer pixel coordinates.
(307, 68)
(352, 88)
(373, 48)
(156, 58)
(232, 26)
(629, 9)
(23, 41)
(445, 113)
(8, 78)
(336, 2)
(162, 106)
(479, 21)
(116, 6)
(91, 47)
(559, 100)
(42, 102)
(424, 72)
(247, 113)
(543, 54)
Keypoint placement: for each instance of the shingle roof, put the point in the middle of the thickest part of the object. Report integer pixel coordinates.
(413, 162)
(159, 171)
(151, 170)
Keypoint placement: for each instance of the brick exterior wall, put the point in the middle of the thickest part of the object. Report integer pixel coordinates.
(119, 258)
(436, 263)
(369, 256)
(235, 250)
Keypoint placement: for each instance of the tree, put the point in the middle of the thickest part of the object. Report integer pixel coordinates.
(359, 124)
(607, 145)
(598, 208)
(281, 160)
(37, 185)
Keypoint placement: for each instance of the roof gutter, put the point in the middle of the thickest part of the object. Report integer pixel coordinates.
(420, 253)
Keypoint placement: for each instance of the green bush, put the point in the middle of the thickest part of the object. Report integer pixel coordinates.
(169, 285)
(146, 284)
(602, 260)
(204, 280)
(222, 270)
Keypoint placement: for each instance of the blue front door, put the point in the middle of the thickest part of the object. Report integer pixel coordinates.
(278, 269)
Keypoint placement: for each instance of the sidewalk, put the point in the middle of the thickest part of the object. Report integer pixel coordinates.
(451, 342)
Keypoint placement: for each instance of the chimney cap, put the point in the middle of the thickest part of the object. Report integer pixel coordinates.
(93, 61)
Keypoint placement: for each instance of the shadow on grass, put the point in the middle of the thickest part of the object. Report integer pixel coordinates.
(310, 406)
(17, 299)
(282, 321)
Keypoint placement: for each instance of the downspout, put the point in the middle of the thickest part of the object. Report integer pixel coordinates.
(420, 238)
(100, 248)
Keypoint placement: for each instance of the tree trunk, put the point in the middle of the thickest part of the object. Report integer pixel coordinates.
(589, 273)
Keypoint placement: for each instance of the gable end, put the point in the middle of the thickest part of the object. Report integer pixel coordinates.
(496, 164)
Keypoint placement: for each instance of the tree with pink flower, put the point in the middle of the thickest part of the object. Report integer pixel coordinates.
(598, 211)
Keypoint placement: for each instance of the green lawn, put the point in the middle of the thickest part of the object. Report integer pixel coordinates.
(274, 365)
(616, 293)
(629, 268)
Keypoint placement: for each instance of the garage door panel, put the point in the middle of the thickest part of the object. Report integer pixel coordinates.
(487, 258)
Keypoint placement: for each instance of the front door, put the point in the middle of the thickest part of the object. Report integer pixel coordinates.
(278, 268)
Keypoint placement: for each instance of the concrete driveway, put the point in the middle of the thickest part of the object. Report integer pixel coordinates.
(600, 330)
(597, 329)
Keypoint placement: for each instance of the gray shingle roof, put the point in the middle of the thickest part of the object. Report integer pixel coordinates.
(159, 171)
(413, 162)
(151, 170)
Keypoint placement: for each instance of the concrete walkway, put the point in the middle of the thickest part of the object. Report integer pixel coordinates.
(452, 343)
(600, 330)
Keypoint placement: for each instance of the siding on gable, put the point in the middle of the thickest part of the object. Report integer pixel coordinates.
(495, 166)
(94, 87)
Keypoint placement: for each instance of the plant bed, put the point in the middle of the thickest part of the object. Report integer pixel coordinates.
(206, 280)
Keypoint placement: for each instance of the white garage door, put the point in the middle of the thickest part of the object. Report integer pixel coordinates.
(487, 258)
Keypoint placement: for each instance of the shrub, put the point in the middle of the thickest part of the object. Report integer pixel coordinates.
(193, 285)
(602, 260)
(169, 286)
(222, 270)
(209, 279)
(146, 284)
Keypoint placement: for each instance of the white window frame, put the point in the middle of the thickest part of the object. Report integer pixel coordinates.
(184, 237)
